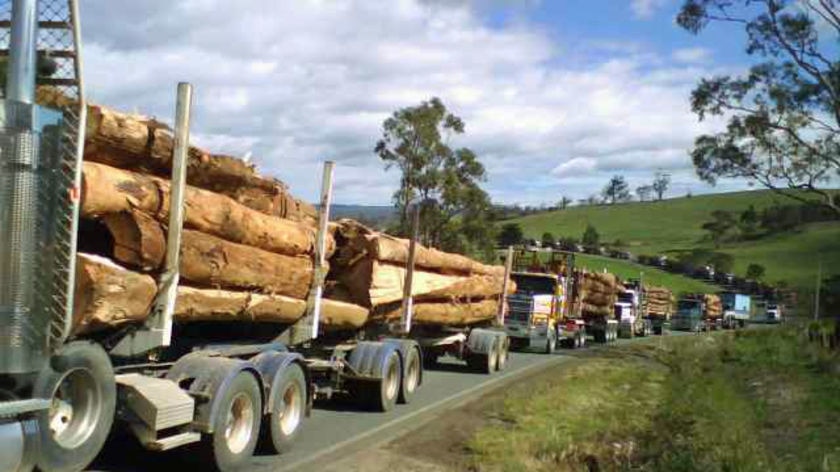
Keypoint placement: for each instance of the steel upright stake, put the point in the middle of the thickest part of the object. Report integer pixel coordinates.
(505, 283)
(408, 297)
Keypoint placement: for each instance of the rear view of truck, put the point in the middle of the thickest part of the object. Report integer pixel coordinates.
(737, 309)
(698, 312)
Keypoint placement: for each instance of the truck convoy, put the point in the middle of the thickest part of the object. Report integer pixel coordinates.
(161, 288)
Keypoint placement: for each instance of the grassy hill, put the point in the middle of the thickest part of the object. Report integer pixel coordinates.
(676, 224)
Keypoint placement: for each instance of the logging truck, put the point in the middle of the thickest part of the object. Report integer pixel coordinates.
(170, 384)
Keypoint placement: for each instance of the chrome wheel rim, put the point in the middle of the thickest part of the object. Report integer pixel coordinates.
(239, 426)
(291, 410)
(75, 408)
(491, 357)
(392, 381)
(503, 356)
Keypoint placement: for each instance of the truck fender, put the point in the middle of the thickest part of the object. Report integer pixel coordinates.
(271, 365)
(404, 346)
(480, 341)
(368, 358)
(204, 377)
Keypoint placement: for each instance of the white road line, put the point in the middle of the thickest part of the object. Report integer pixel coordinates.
(347, 442)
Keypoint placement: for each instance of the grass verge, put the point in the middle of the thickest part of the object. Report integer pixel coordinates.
(752, 400)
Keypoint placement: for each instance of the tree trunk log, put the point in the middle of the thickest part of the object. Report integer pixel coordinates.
(195, 304)
(139, 241)
(111, 190)
(359, 241)
(444, 313)
(373, 283)
(138, 143)
(107, 295)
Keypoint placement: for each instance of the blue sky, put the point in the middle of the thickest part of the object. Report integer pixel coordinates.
(557, 96)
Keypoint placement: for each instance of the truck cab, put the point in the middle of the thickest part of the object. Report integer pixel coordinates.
(736, 309)
(689, 316)
(628, 313)
(534, 309)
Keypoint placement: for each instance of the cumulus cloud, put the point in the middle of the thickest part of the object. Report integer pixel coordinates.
(644, 9)
(297, 83)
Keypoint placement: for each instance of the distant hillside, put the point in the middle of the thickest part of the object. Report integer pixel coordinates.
(375, 215)
(676, 224)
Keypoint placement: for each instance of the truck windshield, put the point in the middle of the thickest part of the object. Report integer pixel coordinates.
(688, 307)
(625, 297)
(534, 284)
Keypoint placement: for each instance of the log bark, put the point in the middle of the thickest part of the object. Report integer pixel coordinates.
(142, 144)
(372, 283)
(444, 313)
(359, 242)
(194, 304)
(108, 295)
(111, 190)
(206, 260)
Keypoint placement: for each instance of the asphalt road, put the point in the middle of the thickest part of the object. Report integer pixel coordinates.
(337, 428)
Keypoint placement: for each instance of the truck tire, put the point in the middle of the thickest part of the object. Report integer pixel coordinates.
(288, 408)
(502, 357)
(381, 394)
(80, 383)
(237, 426)
(550, 344)
(410, 379)
(582, 335)
(485, 363)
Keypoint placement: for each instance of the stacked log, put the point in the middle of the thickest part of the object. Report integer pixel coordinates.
(369, 269)
(598, 293)
(659, 301)
(142, 144)
(247, 247)
(714, 306)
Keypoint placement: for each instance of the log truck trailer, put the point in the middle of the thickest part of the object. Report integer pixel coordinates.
(60, 395)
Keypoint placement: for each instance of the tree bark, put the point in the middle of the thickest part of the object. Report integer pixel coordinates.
(205, 260)
(359, 241)
(142, 144)
(444, 313)
(111, 190)
(107, 295)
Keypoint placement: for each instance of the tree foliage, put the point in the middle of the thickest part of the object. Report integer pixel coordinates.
(755, 271)
(644, 192)
(548, 240)
(591, 238)
(661, 182)
(445, 182)
(719, 226)
(510, 235)
(784, 114)
(616, 190)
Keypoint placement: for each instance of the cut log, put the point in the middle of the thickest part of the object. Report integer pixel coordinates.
(359, 242)
(444, 313)
(142, 144)
(372, 283)
(210, 261)
(107, 295)
(206, 260)
(111, 190)
(139, 240)
(194, 304)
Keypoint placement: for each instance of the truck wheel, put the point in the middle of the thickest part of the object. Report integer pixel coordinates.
(485, 363)
(237, 426)
(381, 395)
(80, 384)
(502, 357)
(582, 339)
(550, 344)
(286, 413)
(410, 377)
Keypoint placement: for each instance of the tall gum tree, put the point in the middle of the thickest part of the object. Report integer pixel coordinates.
(784, 114)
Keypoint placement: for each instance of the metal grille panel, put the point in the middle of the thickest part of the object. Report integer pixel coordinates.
(60, 88)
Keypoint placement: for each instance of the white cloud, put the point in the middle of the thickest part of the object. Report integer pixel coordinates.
(644, 9)
(692, 55)
(296, 83)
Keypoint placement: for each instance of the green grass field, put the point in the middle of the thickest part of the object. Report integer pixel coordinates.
(676, 225)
